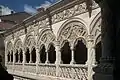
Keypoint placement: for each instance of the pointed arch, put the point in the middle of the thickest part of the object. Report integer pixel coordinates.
(51, 53)
(21, 55)
(27, 55)
(80, 51)
(8, 56)
(80, 39)
(66, 53)
(42, 53)
(33, 53)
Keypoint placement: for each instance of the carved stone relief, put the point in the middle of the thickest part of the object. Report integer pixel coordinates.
(77, 9)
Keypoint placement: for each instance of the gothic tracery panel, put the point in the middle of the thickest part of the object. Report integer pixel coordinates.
(18, 44)
(9, 46)
(72, 31)
(46, 37)
(29, 41)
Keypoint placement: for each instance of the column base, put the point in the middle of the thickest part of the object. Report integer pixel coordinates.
(30, 62)
(72, 62)
(58, 62)
(47, 62)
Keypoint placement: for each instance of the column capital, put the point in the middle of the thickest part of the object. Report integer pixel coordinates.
(90, 38)
(57, 43)
(72, 48)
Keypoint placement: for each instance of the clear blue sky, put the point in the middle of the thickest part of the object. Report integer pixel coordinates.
(20, 5)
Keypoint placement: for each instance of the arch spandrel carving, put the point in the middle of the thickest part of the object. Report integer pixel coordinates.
(72, 30)
(18, 44)
(29, 41)
(45, 37)
(95, 28)
(9, 46)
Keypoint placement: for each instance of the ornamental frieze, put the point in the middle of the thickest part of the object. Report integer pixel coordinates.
(76, 10)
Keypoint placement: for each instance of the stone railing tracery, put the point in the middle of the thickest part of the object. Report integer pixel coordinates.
(77, 72)
(47, 69)
(18, 66)
(30, 67)
(73, 71)
(9, 66)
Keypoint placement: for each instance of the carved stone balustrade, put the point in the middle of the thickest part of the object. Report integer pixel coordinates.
(30, 68)
(9, 66)
(18, 67)
(47, 69)
(73, 71)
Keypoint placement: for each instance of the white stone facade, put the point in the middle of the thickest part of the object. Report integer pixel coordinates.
(37, 48)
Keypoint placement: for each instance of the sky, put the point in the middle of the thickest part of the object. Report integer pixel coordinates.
(29, 6)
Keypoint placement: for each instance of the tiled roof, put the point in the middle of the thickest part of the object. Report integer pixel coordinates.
(16, 17)
(7, 21)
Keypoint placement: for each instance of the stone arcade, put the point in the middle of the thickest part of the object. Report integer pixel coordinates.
(60, 43)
